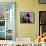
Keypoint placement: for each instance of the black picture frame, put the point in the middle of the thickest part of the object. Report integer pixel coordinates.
(42, 1)
(31, 16)
(42, 22)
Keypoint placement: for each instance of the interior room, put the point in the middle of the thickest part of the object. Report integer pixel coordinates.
(6, 21)
(23, 21)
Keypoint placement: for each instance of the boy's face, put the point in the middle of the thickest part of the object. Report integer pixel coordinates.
(26, 18)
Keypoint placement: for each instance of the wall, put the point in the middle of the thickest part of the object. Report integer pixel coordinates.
(27, 30)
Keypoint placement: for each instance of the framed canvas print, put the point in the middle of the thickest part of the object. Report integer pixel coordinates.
(7, 20)
(27, 17)
(42, 1)
(42, 22)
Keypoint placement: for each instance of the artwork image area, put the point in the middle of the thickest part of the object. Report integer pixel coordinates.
(26, 17)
